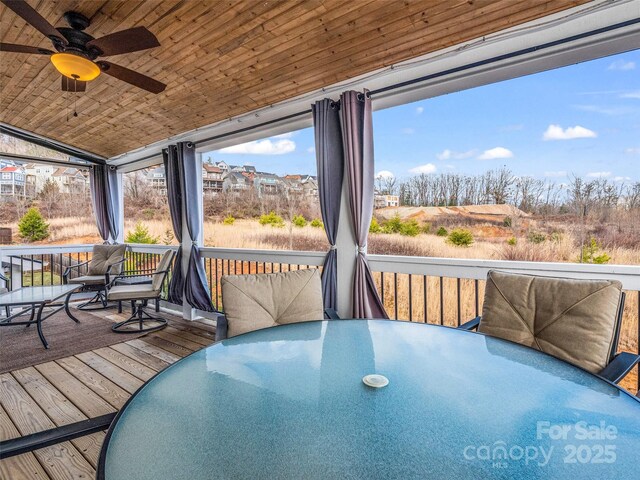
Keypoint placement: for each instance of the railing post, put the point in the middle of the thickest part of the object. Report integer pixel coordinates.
(347, 251)
(189, 313)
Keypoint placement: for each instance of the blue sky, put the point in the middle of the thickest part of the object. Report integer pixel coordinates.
(582, 119)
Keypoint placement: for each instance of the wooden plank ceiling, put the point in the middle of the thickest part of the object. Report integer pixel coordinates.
(224, 58)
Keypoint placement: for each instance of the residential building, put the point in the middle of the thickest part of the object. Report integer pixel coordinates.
(71, 180)
(383, 201)
(157, 179)
(235, 182)
(212, 179)
(13, 182)
(40, 173)
(267, 183)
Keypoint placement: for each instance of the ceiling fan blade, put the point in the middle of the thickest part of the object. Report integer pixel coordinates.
(134, 78)
(10, 47)
(33, 18)
(125, 41)
(71, 85)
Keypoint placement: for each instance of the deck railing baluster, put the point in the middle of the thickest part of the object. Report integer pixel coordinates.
(410, 301)
(458, 280)
(441, 301)
(395, 294)
(424, 292)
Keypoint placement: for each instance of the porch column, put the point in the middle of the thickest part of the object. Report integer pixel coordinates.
(347, 250)
(119, 207)
(188, 312)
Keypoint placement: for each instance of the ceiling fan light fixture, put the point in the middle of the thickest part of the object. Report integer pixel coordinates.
(75, 66)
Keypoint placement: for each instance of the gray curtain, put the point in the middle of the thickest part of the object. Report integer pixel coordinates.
(330, 163)
(357, 139)
(174, 198)
(104, 196)
(196, 289)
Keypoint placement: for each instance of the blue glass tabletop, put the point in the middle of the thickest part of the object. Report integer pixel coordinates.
(289, 402)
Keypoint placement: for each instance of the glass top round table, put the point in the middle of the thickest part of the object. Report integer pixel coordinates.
(290, 402)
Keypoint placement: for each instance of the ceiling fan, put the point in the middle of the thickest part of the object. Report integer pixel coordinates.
(77, 52)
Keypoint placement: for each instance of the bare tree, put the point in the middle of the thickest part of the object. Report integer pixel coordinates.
(49, 197)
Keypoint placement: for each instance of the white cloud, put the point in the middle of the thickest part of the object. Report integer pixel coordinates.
(426, 168)
(495, 153)
(408, 131)
(311, 149)
(556, 132)
(285, 135)
(621, 179)
(450, 154)
(635, 94)
(632, 151)
(599, 174)
(622, 65)
(385, 174)
(559, 173)
(263, 147)
(419, 110)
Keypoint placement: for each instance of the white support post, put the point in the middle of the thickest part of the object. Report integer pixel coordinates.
(189, 313)
(120, 207)
(347, 250)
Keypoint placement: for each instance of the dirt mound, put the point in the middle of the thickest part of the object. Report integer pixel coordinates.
(479, 212)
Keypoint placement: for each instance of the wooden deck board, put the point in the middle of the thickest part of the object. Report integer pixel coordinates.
(141, 356)
(62, 461)
(21, 467)
(86, 385)
(128, 364)
(156, 351)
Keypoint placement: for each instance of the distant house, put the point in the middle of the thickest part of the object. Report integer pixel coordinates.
(157, 179)
(13, 182)
(212, 179)
(310, 186)
(307, 184)
(267, 183)
(71, 180)
(40, 173)
(223, 166)
(243, 168)
(383, 201)
(236, 182)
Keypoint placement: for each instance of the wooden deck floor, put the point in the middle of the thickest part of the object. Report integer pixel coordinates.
(85, 385)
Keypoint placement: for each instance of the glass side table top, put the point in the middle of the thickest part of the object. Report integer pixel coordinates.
(289, 402)
(30, 295)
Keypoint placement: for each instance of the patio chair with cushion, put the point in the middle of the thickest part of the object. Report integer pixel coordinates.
(106, 261)
(252, 302)
(577, 321)
(139, 295)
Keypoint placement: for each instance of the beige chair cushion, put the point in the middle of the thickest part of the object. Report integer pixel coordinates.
(131, 292)
(104, 256)
(252, 302)
(89, 280)
(163, 264)
(573, 320)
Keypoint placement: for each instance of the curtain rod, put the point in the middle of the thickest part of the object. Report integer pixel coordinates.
(44, 160)
(48, 143)
(414, 81)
